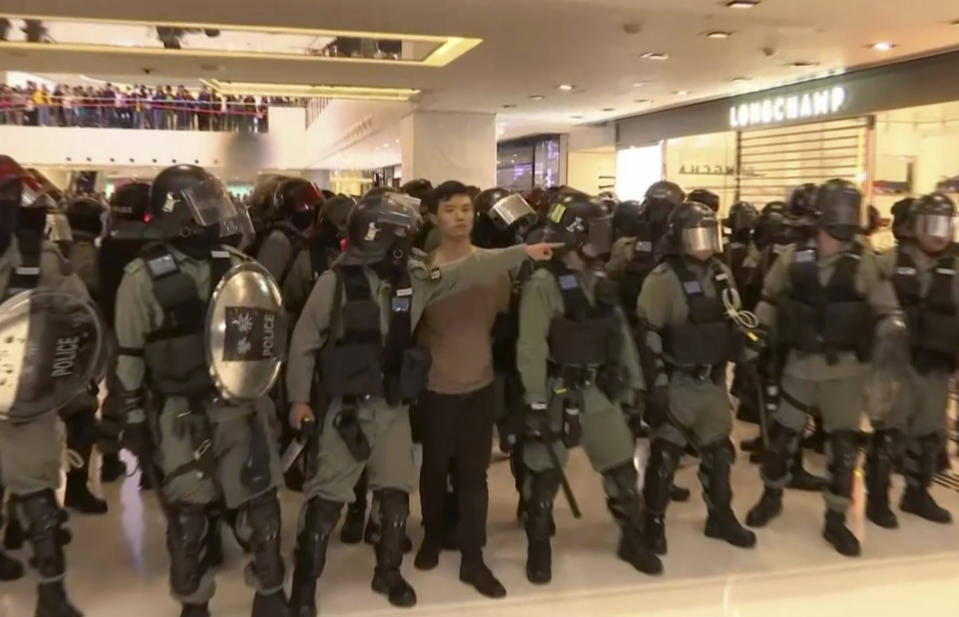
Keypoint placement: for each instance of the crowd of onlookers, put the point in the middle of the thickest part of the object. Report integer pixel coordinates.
(136, 107)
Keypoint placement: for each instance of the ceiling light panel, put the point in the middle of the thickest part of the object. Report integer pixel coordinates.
(83, 35)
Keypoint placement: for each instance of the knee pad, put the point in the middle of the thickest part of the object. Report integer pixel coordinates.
(778, 454)
(187, 529)
(262, 514)
(620, 482)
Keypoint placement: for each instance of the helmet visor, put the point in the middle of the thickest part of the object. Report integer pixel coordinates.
(935, 226)
(239, 225)
(511, 209)
(403, 213)
(601, 235)
(701, 239)
(209, 203)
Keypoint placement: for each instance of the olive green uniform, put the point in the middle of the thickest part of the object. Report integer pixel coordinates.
(387, 428)
(607, 439)
(139, 314)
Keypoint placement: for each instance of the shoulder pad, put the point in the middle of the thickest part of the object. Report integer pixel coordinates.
(418, 269)
(661, 269)
(134, 266)
(418, 255)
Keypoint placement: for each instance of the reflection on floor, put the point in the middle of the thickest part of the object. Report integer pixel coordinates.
(118, 564)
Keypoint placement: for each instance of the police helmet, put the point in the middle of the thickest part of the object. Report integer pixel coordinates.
(902, 219)
(502, 218)
(263, 197)
(629, 220)
(297, 201)
(705, 197)
(839, 207)
(802, 203)
(741, 219)
(86, 216)
(187, 201)
(772, 226)
(665, 190)
(581, 223)
(382, 225)
(418, 188)
(934, 218)
(335, 212)
(693, 229)
(129, 202)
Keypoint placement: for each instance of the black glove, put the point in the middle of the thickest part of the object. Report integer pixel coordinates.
(657, 406)
(137, 439)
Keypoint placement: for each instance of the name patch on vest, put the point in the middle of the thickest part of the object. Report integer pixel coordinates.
(643, 246)
(693, 287)
(401, 304)
(161, 266)
(948, 271)
(805, 256)
(568, 281)
(905, 271)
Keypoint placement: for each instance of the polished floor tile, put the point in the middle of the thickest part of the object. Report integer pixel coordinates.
(118, 563)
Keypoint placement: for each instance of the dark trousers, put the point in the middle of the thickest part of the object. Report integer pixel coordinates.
(457, 434)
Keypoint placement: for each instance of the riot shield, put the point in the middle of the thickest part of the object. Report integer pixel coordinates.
(245, 333)
(52, 345)
(887, 369)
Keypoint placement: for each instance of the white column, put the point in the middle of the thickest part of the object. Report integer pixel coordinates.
(440, 146)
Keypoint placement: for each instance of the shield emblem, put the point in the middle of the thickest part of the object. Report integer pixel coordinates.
(246, 333)
(52, 345)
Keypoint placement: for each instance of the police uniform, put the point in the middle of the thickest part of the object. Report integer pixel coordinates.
(358, 428)
(631, 261)
(208, 450)
(928, 290)
(30, 452)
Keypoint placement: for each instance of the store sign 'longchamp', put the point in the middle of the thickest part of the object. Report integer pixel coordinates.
(803, 106)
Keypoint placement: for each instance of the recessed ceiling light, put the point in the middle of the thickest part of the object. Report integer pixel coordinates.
(955, 22)
(718, 34)
(681, 92)
(565, 87)
(742, 4)
(537, 97)
(509, 106)
(640, 84)
(643, 101)
(655, 55)
(608, 109)
(576, 117)
(741, 79)
(799, 64)
(883, 46)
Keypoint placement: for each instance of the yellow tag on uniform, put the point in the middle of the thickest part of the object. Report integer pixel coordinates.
(557, 214)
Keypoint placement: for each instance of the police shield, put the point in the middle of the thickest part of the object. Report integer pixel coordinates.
(52, 345)
(246, 333)
(887, 370)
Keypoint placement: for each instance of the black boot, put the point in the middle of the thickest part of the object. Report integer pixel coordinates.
(627, 509)
(539, 523)
(802, 480)
(752, 445)
(843, 451)
(186, 540)
(922, 465)
(473, 571)
(78, 496)
(880, 460)
(10, 568)
(718, 495)
(836, 533)
(317, 521)
(352, 530)
(112, 468)
(43, 519)
(195, 610)
(776, 463)
(660, 470)
(52, 601)
(387, 579)
(262, 516)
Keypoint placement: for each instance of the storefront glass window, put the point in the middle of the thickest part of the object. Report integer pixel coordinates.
(704, 162)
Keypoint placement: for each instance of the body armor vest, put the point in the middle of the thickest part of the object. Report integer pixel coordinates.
(175, 353)
(706, 338)
(637, 269)
(932, 319)
(585, 334)
(736, 254)
(27, 275)
(826, 320)
(364, 363)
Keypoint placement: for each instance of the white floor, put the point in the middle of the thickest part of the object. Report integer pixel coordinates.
(118, 564)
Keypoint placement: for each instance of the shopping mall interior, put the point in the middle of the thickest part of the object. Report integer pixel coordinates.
(747, 99)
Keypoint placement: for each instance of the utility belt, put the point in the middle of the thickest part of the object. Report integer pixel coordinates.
(356, 371)
(700, 372)
(608, 378)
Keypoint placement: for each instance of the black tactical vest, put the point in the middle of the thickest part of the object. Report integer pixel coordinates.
(364, 363)
(826, 320)
(932, 319)
(175, 353)
(637, 269)
(736, 254)
(586, 334)
(27, 275)
(706, 338)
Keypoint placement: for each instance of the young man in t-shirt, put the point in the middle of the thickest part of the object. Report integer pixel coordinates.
(455, 415)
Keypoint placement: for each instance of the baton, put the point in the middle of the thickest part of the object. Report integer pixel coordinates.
(563, 480)
(296, 447)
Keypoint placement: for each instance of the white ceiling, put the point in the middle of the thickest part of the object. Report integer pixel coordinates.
(531, 46)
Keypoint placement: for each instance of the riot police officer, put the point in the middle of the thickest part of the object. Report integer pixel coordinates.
(690, 338)
(288, 218)
(30, 451)
(923, 273)
(705, 197)
(825, 300)
(86, 217)
(368, 371)
(578, 363)
(208, 449)
(740, 252)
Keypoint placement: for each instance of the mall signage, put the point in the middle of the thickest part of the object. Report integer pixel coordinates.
(788, 108)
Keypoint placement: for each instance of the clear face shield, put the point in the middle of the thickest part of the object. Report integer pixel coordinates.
(512, 211)
(239, 225)
(210, 204)
(702, 242)
(844, 220)
(600, 237)
(935, 232)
